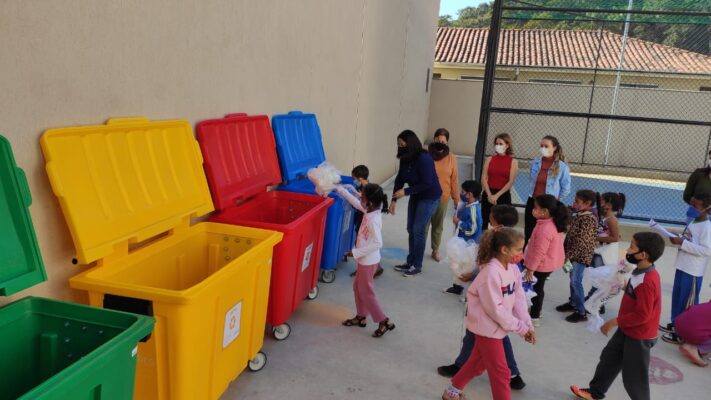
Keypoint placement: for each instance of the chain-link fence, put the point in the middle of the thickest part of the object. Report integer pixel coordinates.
(624, 85)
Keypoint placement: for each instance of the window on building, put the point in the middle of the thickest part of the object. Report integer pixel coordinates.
(436, 76)
(556, 81)
(705, 89)
(481, 78)
(639, 85)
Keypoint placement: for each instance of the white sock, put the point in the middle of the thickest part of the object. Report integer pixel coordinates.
(452, 391)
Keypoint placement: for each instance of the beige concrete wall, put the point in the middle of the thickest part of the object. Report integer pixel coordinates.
(455, 105)
(633, 145)
(359, 65)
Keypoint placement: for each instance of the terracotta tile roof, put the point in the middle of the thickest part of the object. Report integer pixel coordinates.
(566, 49)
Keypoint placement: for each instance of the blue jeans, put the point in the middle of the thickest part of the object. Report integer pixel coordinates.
(468, 346)
(577, 293)
(419, 213)
(684, 293)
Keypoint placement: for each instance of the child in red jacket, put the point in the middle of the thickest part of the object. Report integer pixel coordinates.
(628, 349)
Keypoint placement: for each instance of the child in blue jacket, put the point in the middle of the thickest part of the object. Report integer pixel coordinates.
(468, 218)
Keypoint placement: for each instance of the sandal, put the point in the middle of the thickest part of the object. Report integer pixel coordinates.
(355, 321)
(383, 328)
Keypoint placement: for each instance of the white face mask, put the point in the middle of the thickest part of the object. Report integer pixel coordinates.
(546, 152)
(501, 149)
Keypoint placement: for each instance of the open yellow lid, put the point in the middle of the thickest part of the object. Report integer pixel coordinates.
(126, 181)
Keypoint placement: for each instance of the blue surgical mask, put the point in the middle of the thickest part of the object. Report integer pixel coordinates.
(693, 212)
(357, 185)
(463, 197)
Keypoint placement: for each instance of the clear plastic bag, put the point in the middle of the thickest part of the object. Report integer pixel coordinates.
(528, 289)
(461, 256)
(610, 281)
(325, 177)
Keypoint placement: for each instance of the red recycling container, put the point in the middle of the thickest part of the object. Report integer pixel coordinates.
(241, 165)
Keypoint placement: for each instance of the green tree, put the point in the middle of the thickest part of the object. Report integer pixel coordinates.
(445, 20)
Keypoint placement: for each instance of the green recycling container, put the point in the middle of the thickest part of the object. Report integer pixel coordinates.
(53, 349)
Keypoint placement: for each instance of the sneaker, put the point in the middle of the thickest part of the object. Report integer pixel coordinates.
(536, 322)
(517, 383)
(448, 371)
(669, 328)
(672, 338)
(566, 307)
(412, 272)
(378, 272)
(447, 396)
(576, 317)
(454, 289)
(583, 393)
(353, 274)
(402, 267)
(436, 256)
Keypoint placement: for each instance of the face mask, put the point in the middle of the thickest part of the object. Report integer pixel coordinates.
(693, 212)
(517, 259)
(401, 151)
(575, 208)
(501, 149)
(463, 197)
(358, 186)
(630, 258)
(546, 152)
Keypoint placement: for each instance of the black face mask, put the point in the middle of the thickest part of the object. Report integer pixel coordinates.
(438, 151)
(630, 258)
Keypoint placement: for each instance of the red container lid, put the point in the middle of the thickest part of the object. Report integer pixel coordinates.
(240, 157)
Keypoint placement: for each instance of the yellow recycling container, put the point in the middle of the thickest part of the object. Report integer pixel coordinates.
(128, 190)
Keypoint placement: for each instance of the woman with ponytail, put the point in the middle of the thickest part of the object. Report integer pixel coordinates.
(545, 253)
(549, 174)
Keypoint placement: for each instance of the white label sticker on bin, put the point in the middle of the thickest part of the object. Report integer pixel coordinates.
(232, 324)
(307, 257)
(134, 352)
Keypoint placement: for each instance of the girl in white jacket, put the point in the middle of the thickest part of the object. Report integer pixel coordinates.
(373, 203)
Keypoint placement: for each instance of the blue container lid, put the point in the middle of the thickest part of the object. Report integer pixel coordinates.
(299, 145)
(21, 263)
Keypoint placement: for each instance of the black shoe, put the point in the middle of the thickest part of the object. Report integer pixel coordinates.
(669, 328)
(402, 267)
(567, 307)
(672, 338)
(517, 383)
(378, 272)
(455, 290)
(353, 273)
(448, 371)
(602, 309)
(412, 272)
(576, 317)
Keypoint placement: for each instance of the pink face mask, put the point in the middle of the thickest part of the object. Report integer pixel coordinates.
(517, 259)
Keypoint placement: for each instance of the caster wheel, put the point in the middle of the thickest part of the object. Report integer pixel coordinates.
(281, 332)
(258, 362)
(313, 293)
(328, 276)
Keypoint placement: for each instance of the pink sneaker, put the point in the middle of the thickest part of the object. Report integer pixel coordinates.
(447, 396)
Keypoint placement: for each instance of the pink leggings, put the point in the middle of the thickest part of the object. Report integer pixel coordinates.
(365, 299)
(488, 355)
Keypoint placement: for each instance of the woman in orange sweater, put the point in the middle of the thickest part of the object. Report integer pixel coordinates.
(446, 166)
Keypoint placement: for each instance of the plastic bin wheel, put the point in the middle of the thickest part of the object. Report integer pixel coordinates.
(328, 276)
(313, 293)
(281, 332)
(258, 362)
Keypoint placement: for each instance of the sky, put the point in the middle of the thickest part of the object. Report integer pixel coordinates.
(452, 6)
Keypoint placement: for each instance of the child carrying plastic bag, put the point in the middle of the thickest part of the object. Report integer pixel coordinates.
(462, 258)
(325, 178)
(610, 280)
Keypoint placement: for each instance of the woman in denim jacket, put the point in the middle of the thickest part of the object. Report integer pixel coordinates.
(549, 175)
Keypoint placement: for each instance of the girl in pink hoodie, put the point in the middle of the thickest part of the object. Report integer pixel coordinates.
(496, 305)
(544, 252)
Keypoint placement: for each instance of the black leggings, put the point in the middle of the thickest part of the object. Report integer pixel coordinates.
(529, 219)
(538, 288)
(486, 206)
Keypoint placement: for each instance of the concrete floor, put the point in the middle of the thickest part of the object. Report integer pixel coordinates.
(324, 360)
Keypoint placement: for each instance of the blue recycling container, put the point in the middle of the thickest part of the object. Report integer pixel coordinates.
(300, 148)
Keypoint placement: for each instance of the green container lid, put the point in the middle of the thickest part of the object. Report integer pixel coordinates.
(21, 263)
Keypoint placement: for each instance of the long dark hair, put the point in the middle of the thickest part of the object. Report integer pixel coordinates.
(493, 240)
(558, 211)
(375, 198)
(413, 145)
(615, 200)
